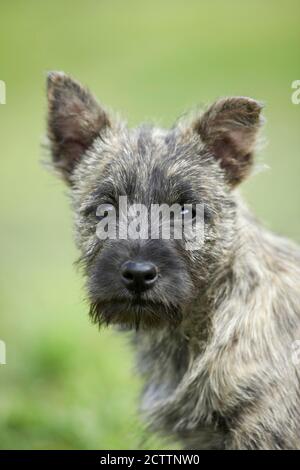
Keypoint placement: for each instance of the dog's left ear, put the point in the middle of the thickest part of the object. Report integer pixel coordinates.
(229, 130)
(75, 119)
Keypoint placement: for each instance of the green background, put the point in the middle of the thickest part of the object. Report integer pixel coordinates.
(65, 385)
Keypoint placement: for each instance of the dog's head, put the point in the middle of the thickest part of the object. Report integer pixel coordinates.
(149, 280)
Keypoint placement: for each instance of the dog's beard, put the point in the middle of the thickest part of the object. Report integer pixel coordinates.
(135, 314)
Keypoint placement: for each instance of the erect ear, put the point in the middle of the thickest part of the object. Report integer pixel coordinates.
(75, 119)
(229, 130)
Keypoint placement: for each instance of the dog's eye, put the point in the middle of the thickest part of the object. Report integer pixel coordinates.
(187, 210)
(103, 210)
(207, 213)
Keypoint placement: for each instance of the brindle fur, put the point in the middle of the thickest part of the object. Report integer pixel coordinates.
(214, 336)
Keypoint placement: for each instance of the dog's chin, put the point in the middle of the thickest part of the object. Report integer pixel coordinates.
(135, 314)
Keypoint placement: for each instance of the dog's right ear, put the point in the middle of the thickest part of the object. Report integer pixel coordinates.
(75, 119)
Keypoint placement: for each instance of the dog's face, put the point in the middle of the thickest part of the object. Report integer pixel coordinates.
(139, 280)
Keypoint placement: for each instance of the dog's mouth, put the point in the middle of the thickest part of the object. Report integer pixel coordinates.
(135, 313)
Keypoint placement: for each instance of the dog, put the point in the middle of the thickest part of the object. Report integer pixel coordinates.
(213, 327)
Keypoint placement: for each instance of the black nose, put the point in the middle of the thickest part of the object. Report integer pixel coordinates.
(138, 276)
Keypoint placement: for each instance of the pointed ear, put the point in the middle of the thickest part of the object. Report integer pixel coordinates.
(229, 130)
(75, 119)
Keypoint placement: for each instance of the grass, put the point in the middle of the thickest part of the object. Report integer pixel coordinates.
(65, 385)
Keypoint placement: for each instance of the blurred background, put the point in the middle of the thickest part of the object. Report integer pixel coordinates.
(65, 385)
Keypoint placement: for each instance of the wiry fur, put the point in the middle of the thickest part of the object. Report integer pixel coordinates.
(214, 336)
